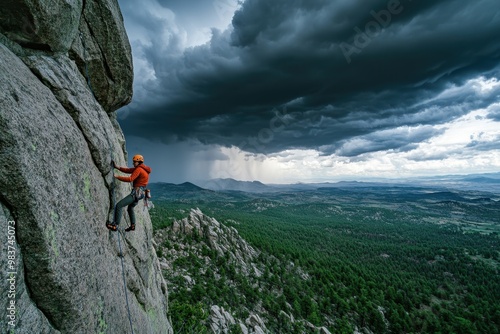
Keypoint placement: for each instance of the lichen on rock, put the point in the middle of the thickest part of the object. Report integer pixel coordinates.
(57, 137)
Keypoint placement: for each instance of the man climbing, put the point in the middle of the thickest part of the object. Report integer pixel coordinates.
(140, 177)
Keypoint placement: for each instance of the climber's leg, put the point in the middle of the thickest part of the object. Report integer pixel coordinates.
(127, 200)
(131, 215)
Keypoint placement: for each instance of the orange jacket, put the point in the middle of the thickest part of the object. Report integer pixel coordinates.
(139, 177)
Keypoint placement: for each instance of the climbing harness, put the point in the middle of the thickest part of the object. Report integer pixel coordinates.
(138, 193)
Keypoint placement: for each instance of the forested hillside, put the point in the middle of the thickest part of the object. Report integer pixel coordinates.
(376, 264)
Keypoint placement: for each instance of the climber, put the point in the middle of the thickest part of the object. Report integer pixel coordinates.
(140, 177)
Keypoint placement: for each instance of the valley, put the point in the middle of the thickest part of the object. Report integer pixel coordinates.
(362, 258)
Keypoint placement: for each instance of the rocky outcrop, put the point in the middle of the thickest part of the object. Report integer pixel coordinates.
(207, 261)
(103, 51)
(225, 240)
(57, 137)
(220, 319)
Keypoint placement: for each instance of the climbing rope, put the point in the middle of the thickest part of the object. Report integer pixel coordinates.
(125, 284)
(113, 200)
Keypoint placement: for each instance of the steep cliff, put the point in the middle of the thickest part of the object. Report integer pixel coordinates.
(65, 67)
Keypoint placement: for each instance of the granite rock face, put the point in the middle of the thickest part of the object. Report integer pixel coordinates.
(102, 51)
(90, 31)
(43, 25)
(57, 137)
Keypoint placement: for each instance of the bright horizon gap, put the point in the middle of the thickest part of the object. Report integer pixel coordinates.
(493, 175)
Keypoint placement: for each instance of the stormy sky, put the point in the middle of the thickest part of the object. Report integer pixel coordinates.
(287, 91)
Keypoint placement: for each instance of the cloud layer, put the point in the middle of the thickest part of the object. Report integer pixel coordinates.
(343, 78)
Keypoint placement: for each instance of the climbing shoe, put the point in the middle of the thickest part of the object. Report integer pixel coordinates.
(130, 228)
(111, 226)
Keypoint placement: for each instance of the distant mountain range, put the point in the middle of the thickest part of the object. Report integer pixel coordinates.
(489, 182)
(235, 185)
(259, 187)
(479, 182)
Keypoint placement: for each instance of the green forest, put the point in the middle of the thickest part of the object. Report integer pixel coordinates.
(368, 266)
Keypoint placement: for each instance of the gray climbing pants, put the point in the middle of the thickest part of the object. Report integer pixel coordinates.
(131, 202)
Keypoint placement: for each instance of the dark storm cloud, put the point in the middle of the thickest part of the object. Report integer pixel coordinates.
(342, 69)
(400, 139)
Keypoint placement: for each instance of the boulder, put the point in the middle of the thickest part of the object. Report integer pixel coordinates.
(103, 54)
(256, 325)
(244, 329)
(258, 330)
(324, 330)
(37, 24)
(220, 319)
(90, 31)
